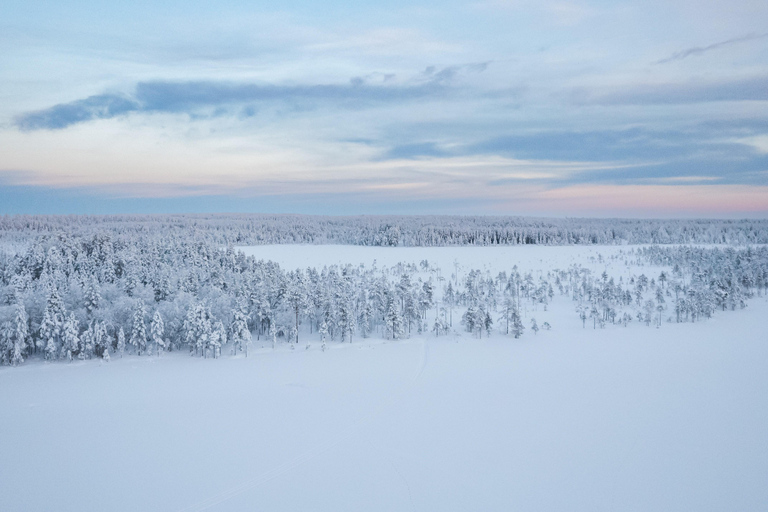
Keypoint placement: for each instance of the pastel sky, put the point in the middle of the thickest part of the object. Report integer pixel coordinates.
(580, 108)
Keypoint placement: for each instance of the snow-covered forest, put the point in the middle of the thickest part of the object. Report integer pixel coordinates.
(423, 231)
(89, 287)
(192, 363)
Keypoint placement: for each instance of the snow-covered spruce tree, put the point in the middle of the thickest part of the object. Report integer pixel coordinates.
(157, 331)
(468, 318)
(70, 338)
(92, 296)
(393, 320)
(508, 308)
(120, 341)
(346, 321)
(449, 298)
(20, 335)
(366, 313)
(479, 321)
(517, 323)
(273, 334)
(101, 340)
(218, 338)
(51, 327)
(86, 342)
(323, 331)
(410, 308)
(534, 326)
(440, 326)
(488, 324)
(198, 329)
(139, 329)
(297, 297)
(241, 336)
(6, 341)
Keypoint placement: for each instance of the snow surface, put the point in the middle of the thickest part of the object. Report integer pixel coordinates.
(572, 419)
(493, 258)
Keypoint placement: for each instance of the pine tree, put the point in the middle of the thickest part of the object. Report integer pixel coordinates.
(121, 342)
(297, 297)
(86, 342)
(6, 341)
(449, 297)
(323, 334)
(52, 324)
(218, 338)
(394, 322)
(241, 336)
(70, 337)
(139, 330)
(157, 331)
(198, 329)
(100, 340)
(273, 334)
(517, 324)
(488, 324)
(20, 335)
(366, 315)
(92, 296)
(50, 330)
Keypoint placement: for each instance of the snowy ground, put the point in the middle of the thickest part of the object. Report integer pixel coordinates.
(570, 419)
(494, 259)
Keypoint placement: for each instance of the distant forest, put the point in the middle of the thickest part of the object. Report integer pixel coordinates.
(404, 231)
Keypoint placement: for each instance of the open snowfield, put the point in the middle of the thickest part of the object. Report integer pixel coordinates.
(494, 259)
(571, 419)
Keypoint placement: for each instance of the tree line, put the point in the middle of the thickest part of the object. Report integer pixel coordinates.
(97, 295)
(259, 229)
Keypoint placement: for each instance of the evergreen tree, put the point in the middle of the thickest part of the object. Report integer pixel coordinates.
(218, 338)
(120, 342)
(241, 336)
(323, 334)
(20, 335)
(139, 330)
(157, 331)
(6, 341)
(394, 322)
(70, 337)
(517, 324)
(92, 296)
(86, 342)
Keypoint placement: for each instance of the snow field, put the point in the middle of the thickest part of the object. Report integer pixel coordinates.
(614, 419)
(572, 419)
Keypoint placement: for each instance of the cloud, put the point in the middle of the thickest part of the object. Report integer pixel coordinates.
(60, 116)
(412, 151)
(698, 50)
(634, 144)
(194, 96)
(734, 170)
(447, 74)
(743, 89)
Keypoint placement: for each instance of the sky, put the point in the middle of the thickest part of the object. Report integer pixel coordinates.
(493, 107)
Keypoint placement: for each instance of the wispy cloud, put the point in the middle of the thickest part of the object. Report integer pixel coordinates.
(698, 50)
(742, 89)
(193, 96)
(60, 116)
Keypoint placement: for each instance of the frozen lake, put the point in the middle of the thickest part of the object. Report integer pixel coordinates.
(569, 419)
